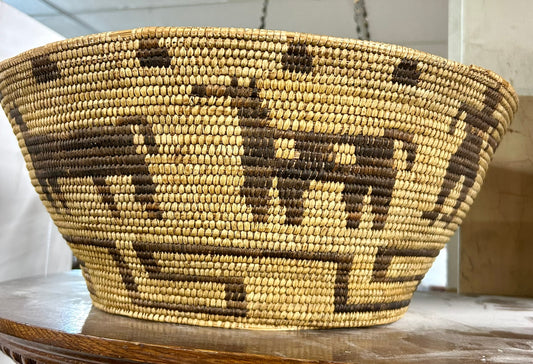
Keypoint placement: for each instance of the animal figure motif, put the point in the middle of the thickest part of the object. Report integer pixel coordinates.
(123, 149)
(463, 164)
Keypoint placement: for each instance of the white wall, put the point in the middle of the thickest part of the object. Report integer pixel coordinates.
(420, 24)
(492, 31)
(497, 35)
(29, 241)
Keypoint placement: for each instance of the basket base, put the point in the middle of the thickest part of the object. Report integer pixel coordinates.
(348, 320)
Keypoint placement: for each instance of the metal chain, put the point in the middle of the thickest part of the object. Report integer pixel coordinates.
(264, 14)
(361, 19)
(360, 16)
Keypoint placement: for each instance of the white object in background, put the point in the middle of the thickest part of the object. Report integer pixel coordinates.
(29, 241)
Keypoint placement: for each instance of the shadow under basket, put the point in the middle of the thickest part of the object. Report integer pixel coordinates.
(249, 178)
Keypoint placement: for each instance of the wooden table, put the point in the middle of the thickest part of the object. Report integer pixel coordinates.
(51, 320)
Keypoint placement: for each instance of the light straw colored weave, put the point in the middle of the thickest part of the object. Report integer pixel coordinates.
(252, 178)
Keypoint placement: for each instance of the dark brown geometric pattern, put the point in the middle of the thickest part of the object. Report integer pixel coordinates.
(297, 59)
(384, 259)
(234, 286)
(44, 70)
(151, 55)
(406, 73)
(235, 295)
(465, 161)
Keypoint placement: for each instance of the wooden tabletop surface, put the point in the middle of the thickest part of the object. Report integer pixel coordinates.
(51, 320)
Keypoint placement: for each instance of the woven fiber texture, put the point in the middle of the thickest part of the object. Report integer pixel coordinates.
(252, 178)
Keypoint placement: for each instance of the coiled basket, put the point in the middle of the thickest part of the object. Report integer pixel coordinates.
(252, 178)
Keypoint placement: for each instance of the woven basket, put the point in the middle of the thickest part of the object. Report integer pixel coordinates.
(250, 178)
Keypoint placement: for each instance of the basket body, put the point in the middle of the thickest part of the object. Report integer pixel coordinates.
(246, 178)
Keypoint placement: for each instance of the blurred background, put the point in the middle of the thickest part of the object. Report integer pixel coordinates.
(420, 24)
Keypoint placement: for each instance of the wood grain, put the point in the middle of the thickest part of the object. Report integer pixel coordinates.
(51, 320)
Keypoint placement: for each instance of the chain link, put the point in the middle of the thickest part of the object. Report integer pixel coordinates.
(360, 16)
(361, 19)
(263, 14)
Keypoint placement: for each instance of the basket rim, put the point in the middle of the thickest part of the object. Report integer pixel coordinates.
(386, 49)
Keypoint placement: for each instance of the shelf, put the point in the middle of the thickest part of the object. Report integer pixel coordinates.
(51, 320)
